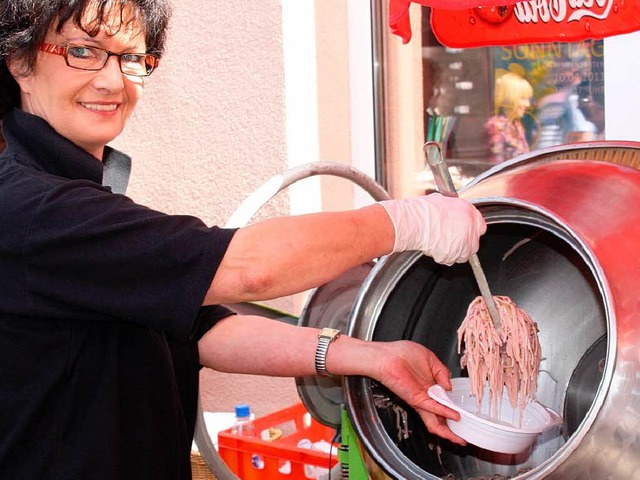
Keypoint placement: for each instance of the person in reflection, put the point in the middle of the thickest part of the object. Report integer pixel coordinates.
(505, 130)
(569, 114)
(109, 308)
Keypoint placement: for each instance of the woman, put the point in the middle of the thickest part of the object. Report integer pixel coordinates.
(506, 133)
(108, 308)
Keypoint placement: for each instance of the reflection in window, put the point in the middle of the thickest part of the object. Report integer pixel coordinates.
(506, 133)
(495, 103)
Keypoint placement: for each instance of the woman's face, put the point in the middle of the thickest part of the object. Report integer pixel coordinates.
(90, 108)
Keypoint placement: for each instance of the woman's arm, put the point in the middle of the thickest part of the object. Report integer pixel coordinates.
(286, 255)
(256, 345)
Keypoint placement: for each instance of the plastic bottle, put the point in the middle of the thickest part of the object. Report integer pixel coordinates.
(244, 426)
(244, 421)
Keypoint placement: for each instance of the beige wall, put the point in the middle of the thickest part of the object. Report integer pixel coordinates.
(333, 96)
(404, 110)
(212, 127)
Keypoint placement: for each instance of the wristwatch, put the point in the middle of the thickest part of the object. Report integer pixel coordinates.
(325, 337)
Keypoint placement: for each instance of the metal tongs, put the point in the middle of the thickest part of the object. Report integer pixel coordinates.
(446, 187)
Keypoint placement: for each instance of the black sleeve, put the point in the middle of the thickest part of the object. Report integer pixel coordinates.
(186, 361)
(207, 317)
(97, 256)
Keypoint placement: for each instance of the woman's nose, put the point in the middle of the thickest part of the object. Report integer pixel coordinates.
(110, 76)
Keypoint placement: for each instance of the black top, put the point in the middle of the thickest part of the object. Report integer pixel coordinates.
(100, 312)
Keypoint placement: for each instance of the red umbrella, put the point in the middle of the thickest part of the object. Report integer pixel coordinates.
(464, 23)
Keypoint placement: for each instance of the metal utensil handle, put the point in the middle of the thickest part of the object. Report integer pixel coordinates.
(483, 285)
(445, 185)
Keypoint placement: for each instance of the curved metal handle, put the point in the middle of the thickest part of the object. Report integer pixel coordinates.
(256, 200)
(446, 186)
(439, 168)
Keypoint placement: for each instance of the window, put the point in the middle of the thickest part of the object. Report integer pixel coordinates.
(488, 105)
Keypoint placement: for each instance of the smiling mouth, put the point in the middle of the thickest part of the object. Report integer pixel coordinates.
(100, 107)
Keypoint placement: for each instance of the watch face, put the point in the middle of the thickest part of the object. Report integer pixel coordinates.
(330, 333)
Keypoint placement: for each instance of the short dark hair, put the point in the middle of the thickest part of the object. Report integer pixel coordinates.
(24, 25)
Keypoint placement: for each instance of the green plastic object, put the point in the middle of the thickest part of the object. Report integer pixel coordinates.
(349, 454)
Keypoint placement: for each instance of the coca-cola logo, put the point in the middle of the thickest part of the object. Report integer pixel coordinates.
(534, 21)
(558, 11)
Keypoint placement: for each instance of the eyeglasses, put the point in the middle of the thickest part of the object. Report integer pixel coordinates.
(84, 57)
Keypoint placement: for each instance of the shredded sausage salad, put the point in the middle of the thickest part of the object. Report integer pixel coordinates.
(509, 358)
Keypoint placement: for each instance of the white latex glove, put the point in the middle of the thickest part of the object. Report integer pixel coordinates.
(448, 229)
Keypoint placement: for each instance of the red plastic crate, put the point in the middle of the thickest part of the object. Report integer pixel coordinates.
(253, 458)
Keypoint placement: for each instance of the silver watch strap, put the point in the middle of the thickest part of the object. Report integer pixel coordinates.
(321, 356)
(326, 336)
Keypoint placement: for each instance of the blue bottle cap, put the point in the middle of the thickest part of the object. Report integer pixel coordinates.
(243, 410)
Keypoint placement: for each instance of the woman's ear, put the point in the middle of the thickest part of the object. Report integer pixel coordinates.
(12, 65)
(18, 71)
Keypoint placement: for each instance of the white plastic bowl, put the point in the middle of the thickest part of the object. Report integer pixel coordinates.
(508, 433)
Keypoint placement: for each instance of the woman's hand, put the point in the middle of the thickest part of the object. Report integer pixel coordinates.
(408, 369)
(448, 229)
